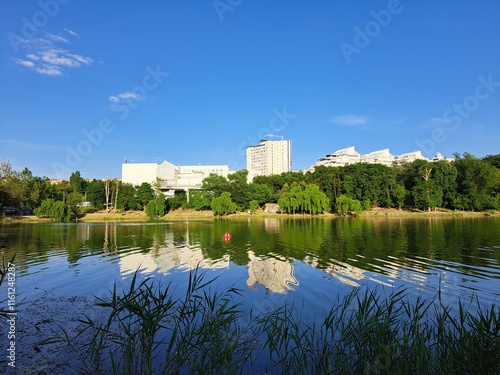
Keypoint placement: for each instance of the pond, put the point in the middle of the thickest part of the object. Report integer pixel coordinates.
(304, 262)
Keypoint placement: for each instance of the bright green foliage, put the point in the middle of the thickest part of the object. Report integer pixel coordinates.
(477, 181)
(400, 195)
(260, 193)
(144, 194)
(177, 201)
(156, 207)
(74, 200)
(215, 184)
(95, 193)
(200, 200)
(345, 204)
(53, 209)
(223, 205)
(77, 183)
(238, 187)
(253, 206)
(309, 200)
(126, 197)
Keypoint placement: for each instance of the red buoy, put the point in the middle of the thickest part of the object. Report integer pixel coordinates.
(227, 237)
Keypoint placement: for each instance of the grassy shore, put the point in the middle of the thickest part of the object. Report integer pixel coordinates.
(190, 214)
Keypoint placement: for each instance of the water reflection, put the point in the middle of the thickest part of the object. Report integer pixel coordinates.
(276, 275)
(458, 255)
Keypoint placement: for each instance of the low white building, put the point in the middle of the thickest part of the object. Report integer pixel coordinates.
(410, 157)
(378, 157)
(170, 176)
(349, 155)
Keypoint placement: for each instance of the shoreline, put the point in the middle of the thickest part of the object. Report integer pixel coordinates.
(192, 215)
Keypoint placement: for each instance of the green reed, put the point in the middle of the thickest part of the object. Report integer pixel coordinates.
(149, 331)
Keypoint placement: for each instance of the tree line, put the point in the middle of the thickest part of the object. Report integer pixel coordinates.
(466, 183)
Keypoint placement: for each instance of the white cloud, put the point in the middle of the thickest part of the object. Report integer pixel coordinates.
(49, 70)
(439, 120)
(349, 120)
(44, 57)
(28, 64)
(72, 33)
(55, 38)
(126, 97)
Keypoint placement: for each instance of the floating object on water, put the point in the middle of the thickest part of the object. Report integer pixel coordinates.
(227, 236)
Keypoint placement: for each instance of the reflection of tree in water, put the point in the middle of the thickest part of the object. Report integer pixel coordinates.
(276, 275)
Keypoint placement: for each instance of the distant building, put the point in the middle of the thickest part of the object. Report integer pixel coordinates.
(378, 157)
(349, 155)
(269, 157)
(410, 157)
(170, 176)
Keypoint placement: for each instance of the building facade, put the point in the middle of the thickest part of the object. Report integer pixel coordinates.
(170, 176)
(349, 155)
(269, 157)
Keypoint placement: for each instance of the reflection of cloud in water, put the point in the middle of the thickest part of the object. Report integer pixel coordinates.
(276, 275)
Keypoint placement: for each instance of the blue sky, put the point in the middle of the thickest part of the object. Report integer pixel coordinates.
(87, 84)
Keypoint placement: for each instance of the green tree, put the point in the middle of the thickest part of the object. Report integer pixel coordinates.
(53, 209)
(253, 206)
(238, 187)
(200, 200)
(74, 201)
(215, 184)
(127, 198)
(223, 205)
(96, 194)
(77, 183)
(400, 195)
(144, 194)
(156, 207)
(345, 204)
(178, 200)
(477, 181)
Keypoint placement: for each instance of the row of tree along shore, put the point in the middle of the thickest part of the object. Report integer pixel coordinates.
(467, 184)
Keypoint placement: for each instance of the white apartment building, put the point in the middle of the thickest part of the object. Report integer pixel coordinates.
(410, 157)
(349, 155)
(170, 176)
(339, 158)
(378, 157)
(268, 158)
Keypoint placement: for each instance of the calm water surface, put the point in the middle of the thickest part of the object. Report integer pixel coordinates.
(309, 263)
(305, 261)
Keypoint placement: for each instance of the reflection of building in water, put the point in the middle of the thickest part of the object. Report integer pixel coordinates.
(168, 256)
(344, 272)
(272, 224)
(276, 275)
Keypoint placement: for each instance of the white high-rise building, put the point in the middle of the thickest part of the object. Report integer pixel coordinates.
(270, 157)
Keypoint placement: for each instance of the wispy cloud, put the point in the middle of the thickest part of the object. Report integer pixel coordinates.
(439, 120)
(126, 97)
(45, 57)
(349, 120)
(72, 33)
